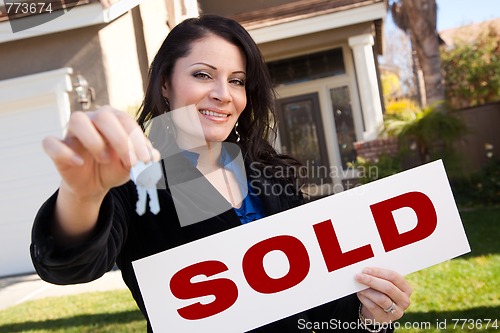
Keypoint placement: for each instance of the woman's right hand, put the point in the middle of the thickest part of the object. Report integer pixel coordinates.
(98, 151)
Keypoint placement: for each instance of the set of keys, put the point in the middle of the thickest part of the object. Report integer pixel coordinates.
(146, 176)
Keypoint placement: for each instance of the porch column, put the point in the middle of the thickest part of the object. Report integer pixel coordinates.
(366, 75)
(179, 10)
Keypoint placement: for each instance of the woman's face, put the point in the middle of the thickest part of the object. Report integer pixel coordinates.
(212, 78)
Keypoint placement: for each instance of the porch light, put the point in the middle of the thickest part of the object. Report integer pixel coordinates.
(85, 94)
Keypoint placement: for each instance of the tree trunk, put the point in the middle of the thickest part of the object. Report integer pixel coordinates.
(421, 20)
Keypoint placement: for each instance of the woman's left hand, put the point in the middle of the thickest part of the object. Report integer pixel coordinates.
(387, 296)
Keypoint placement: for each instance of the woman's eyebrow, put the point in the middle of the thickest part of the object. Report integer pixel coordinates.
(203, 63)
(215, 68)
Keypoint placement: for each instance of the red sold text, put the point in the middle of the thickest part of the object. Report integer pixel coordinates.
(226, 291)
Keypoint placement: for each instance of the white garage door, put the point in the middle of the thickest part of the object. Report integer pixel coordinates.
(31, 107)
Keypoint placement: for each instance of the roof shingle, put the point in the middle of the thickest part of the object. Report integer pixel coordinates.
(296, 10)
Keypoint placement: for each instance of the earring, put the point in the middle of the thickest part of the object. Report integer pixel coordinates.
(238, 136)
(167, 103)
(168, 120)
(169, 124)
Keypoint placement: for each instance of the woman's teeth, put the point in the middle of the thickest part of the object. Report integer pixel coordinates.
(213, 114)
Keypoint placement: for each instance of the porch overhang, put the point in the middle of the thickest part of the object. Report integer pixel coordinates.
(90, 14)
(310, 25)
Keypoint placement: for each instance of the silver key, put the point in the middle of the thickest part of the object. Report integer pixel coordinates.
(146, 176)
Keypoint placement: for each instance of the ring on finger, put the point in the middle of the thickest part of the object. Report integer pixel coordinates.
(391, 309)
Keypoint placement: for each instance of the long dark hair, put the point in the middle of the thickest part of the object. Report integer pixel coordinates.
(257, 122)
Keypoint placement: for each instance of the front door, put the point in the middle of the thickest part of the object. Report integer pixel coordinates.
(302, 135)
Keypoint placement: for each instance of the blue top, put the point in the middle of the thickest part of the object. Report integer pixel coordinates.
(251, 208)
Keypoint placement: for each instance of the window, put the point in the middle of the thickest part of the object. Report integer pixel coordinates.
(307, 67)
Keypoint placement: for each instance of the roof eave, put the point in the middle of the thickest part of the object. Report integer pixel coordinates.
(372, 12)
(78, 17)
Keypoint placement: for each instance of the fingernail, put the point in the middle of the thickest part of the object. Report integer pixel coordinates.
(131, 158)
(147, 153)
(367, 270)
(362, 278)
(104, 157)
(156, 155)
(77, 160)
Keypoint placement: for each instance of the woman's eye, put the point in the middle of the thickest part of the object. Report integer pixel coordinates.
(238, 82)
(202, 75)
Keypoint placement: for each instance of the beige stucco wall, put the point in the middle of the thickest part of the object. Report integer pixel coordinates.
(114, 58)
(154, 18)
(120, 60)
(79, 49)
(129, 45)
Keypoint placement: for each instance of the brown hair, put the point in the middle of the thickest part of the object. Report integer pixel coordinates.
(257, 122)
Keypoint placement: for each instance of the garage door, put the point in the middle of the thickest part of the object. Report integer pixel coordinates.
(31, 107)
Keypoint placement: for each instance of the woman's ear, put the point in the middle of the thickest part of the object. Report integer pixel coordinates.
(165, 90)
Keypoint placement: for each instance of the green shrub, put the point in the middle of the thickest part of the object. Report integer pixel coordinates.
(429, 132)
(479, 189)
(472, 70)
(385, 165)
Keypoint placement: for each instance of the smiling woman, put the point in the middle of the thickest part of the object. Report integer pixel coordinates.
(210, 101)
(215, 84)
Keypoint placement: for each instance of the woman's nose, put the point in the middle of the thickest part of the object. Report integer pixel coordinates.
(220, 91)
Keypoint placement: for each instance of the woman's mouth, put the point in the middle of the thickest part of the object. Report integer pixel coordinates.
(214, 114)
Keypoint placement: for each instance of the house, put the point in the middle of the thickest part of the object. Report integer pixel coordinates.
(44, 75)
(322, 58)
(468, 33)
(321, 54)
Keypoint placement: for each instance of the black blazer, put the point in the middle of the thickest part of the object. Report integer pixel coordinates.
(121, 236)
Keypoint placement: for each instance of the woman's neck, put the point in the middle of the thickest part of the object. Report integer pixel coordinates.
(209, 164)
(209, 156)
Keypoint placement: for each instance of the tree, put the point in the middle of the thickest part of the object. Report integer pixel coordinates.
(398, 53)
(418, 19)
(471, 67)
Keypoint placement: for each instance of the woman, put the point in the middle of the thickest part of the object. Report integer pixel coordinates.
(213, 66)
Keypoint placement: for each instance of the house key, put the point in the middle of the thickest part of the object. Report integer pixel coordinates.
(146, 176)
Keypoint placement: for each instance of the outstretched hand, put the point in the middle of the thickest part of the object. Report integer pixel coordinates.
(98, 150)
(387, 296)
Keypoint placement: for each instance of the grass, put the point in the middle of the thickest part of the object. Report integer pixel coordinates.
(466, 289)
(99, 312)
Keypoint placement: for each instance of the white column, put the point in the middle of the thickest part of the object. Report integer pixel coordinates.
(179, 10)
(366, 75)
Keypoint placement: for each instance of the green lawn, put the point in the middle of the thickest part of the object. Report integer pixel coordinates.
(461, 292)
(111, 312)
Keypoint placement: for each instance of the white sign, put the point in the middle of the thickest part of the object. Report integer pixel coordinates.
(261, 272)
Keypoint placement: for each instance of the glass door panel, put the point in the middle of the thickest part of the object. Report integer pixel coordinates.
(302, 135)
(344, 124)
